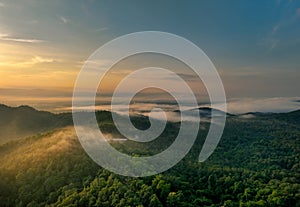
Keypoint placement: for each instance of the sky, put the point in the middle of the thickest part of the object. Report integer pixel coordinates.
(254, 45)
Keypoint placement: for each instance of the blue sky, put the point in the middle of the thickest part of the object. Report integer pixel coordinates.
(255, 45)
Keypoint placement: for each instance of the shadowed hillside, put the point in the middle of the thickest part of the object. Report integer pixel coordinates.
(255, 164)
(23, 121)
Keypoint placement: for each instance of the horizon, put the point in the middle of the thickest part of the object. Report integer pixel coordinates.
(256, 55)
(234, 106)
(149, 103)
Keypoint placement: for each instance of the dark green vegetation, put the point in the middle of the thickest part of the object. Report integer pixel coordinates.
(257, 163)
(24, 121)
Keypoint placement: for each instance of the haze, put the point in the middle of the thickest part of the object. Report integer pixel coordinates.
(43, 44)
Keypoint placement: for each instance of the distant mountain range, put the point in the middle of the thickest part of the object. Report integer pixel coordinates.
(24, 121)
(256, 163)
(204, 112)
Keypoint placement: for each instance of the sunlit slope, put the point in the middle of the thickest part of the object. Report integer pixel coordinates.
(23, 121)
(255, 164)
(36, 168)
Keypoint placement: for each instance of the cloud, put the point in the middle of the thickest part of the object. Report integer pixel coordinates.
(270, 43)
(273, 43)
(6, 37)
(298, 12)
(286, 22)
(33, 61)
(187, 77)
(2, 4)
(64, 19)
(101, 29)
(235, 106)
(38, 59)
(276, 28)
(277, 104)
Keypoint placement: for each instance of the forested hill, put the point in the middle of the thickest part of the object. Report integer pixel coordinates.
(24, 121)
(255, 164)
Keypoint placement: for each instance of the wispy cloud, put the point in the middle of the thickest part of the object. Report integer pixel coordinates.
(273, 43)
(276, 28)
(38, 59)
(186, 76)
(27, 63)
(289, 17)
(64, 20)
(298, 12)
(275, 104)
(270, 43)
(6, 37)
(101, 29)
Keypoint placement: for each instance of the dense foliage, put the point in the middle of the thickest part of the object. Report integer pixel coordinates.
(24, 121)
(255, 164)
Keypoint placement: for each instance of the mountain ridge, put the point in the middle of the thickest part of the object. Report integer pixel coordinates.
(256, 163)
(23, 121)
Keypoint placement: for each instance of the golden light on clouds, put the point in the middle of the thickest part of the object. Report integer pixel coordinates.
(29, 66)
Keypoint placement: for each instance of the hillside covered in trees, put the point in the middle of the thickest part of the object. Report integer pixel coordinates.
(257, 163)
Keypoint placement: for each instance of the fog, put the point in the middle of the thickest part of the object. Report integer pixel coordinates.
(234, 106)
